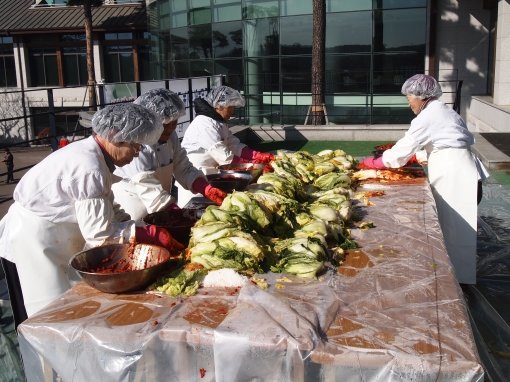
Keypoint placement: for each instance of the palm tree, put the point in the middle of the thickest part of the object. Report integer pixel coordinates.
(87, 13)
(318, 58)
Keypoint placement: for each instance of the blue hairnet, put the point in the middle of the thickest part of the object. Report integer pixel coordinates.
(163, 102)
(422, 86)
(225, 97)
(127, 122)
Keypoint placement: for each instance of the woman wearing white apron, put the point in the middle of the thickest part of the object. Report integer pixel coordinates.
(64, 204)
(141, 191)
(453, 170)
(208, 139)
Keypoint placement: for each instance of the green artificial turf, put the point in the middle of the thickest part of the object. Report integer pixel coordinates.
(354, 148)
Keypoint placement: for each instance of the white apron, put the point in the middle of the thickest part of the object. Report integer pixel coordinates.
(41, 250)
(453, 178)
(134, 197)
(203, 162)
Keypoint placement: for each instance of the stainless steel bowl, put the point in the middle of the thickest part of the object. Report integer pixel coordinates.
(254, 169)
(116, 268)
(178, 222)
(229, 182)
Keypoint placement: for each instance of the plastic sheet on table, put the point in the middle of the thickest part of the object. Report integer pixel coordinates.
(391, 311)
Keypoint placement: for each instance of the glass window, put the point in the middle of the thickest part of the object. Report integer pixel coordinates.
(260, 8)
(179, 47)
(180, 69)
(164, 15)
(7, 71)
(261, 37)
(200, 68)
(295, 7)
(348, 5)
(200, 44)
(199, 12)
(262, 75)
(392, 69)
(296, 35)
(227, 39)
(80, 38)
(144, 63)
(226, 10)
(348, 73)
(43, 67)
(233, 71)
(118, 36)
(179, 13)
(385, 4)
(6, 40)
(402, 29)
(118, 62)
(349, 32)
(296, 74)
(75, 66)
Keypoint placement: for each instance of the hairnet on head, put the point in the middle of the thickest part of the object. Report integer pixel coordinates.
(163, 102)
(127, 122)
(224, 96)
(422, 86)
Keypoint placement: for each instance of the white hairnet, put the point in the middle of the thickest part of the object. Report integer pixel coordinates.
(422, 86)
(127, 122)
(163, 102)
(224, 96)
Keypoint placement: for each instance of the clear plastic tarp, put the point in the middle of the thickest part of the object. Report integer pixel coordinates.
(392, 311)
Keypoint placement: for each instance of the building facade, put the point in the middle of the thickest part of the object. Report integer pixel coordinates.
(264, 49)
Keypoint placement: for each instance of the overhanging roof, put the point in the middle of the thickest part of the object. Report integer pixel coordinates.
(18, 17)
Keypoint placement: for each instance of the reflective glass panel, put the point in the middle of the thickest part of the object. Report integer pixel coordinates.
(226, 10)
(385, 4)
(296, 35)
(348, 73)
(261, 75)
(179, 48)
(227, 39)
(233, 70)
(295, 7)
(200, 41)
(199, 12)
(50, 70)
(348, 5)
(403, 29)
(260, 8)
(392, 69)
(126, 67)
(10, 70)
(200, 68)
(349, 32)
(296, 74)
(261, 37)
(179, 13)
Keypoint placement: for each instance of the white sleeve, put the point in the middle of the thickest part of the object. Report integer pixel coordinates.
(401, 152)
(221, 153)
(233, 143)
(150, 191)
(95, 218)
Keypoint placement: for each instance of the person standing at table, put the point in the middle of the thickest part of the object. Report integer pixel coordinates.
(9, 163)
(64, 204)
(208, 139)
(140, 192)
(453, 170)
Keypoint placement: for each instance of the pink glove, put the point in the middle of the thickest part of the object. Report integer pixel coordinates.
(152, 234)
(200, 185)
(256, 156)
(372, 163)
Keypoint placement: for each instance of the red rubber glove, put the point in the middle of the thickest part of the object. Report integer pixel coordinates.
(372, 163)
(256, 156)
(200, 185)
(152, 234)
(171, 207)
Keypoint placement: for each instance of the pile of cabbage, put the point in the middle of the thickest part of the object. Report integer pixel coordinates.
(292, 220)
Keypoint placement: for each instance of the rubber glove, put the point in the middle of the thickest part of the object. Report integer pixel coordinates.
(171, 207)
(256, 156)
(152, 234)
(202, 186)
(372, 163)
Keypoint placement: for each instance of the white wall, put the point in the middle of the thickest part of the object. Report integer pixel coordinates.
(463, 45)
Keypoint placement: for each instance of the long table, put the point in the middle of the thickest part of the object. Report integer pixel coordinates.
(393, 311)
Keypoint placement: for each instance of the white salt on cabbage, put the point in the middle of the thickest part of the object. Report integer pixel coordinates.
(225, 277)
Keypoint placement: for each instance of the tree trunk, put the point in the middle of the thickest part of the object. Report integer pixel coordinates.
(91, 82)
(318, 56)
